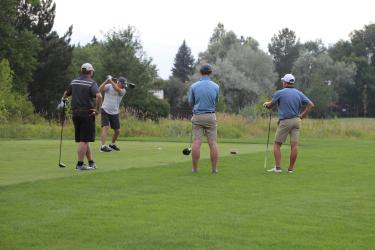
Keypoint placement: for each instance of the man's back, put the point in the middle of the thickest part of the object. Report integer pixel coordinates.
(289, 102)
(82, 90)
(204, 95)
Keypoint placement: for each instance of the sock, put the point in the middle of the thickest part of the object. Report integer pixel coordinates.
(278, 167)
(80, 163)
(91, 162)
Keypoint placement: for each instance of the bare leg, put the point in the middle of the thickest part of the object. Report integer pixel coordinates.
(88, 152)
(277, 153)
(293, 154)
(213, 154)
(104, 134)
(82, 149)
(115, 135)
(196, 153)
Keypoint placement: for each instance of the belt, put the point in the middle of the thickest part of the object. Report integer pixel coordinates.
(82, 110)
(288, 118)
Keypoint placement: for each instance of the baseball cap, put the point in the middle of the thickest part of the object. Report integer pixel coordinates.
(206, 68)
(288, 78)
(87, 67)
(122, 79)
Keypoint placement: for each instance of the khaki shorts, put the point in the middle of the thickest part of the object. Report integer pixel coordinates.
(204, 124)
(288, 127)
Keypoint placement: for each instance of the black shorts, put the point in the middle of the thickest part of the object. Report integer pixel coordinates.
(108, 119)
(84, 125)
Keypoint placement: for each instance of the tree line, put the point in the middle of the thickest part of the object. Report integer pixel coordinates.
(339, 78)
(37, 64)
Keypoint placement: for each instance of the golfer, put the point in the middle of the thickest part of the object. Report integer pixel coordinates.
(114, 92)
(203, 96)
(289, 102)
(83, 90)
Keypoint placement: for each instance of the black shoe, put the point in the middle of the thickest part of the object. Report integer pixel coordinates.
(105, 149)
(114, 147)
(92, 165)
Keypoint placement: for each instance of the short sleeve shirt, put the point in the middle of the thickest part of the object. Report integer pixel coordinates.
(289, 102)
(112, 99)
(204, 95)
(83, 90)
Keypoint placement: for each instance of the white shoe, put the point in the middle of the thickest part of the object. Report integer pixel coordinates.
(274, 169)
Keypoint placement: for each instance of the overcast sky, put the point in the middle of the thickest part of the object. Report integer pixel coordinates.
(163, 25)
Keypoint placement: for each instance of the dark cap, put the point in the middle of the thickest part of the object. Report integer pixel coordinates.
(122, 80)
(206, 68)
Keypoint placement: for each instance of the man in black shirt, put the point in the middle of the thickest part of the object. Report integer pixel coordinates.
(83, 90)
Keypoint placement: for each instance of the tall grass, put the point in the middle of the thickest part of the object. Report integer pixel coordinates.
(229, 126)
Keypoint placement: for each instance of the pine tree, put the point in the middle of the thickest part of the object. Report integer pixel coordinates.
(284, 49)
(183, 66)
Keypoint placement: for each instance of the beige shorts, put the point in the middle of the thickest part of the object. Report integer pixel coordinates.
(204, 124)
(288, 127)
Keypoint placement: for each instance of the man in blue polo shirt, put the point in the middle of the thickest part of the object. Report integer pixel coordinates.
(289, 102)
(203, 96)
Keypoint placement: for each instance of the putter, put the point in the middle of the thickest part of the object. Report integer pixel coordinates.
(62, 165)
(187, 151)
(268, 139)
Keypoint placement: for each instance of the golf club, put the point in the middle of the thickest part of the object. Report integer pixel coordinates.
(62, 165)
(187, 151)
(268, 139)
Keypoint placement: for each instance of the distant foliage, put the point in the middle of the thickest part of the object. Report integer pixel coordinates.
(13, 106)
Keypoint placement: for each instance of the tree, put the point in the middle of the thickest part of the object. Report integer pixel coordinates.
(324, 81)
(19, 46)
(13, 106)
(51, 76)
(314, 47)
(284, 49)
(36, 16)
(359, 51)
(123, 55)
(183, 66)
(220, 43)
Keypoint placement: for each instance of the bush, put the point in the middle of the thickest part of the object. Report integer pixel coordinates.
(150, 108)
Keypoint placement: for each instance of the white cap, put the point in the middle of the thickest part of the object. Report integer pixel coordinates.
(87, 67)
(288, 78)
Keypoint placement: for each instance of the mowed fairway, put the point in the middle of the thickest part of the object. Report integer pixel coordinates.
(145, 197)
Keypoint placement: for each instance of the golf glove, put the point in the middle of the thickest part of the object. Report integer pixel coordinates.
(62, 104)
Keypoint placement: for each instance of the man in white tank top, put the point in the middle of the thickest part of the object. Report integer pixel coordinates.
(114, 92)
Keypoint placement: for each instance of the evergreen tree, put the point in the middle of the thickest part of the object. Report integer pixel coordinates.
(51, 72)
(183, 66)
(51, 76)
(284, 49)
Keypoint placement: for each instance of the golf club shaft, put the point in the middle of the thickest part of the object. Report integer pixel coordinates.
(268, 139)
(62, 128)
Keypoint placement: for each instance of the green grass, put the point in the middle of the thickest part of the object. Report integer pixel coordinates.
(146, 198)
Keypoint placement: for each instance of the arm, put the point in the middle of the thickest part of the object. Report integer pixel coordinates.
(98, 101)
(101, 88)
(116, 87)
(268, 104)
(309, 107)
(191, 97)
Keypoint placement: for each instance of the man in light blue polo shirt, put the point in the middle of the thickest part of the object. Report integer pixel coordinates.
(289, 102)
(203, 96)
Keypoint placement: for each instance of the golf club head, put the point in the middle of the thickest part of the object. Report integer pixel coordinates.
(62, 165)
(186, 151)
